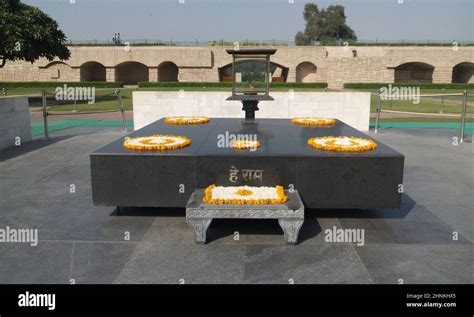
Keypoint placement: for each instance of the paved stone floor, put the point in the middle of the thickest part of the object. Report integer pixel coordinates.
(88, 244)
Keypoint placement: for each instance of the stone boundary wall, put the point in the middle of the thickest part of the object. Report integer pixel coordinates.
(14, 121)
(352, 108)
(334, 65)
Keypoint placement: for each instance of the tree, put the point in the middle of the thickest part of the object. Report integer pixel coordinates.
(26, 33)
(324, 25)
(301, 39)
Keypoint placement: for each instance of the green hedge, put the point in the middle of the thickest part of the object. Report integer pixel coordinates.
(300, 85)
(175, 84)
(51, 84)
(421, 85)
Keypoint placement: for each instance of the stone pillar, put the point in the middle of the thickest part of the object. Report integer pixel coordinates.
(182, 75)
(77, 74)
(389, 76)
(153, 74)
(15, 123)
(110, 74)
(442, 75)
(211, 75)
(334, 74)
(291, 75)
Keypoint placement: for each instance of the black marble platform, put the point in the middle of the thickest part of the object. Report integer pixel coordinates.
(365, 180)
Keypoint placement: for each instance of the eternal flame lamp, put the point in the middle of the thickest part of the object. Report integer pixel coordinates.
(250, 78)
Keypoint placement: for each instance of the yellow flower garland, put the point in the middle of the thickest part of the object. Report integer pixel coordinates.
(330, 143)
(245, 145)
(149, 143)
(314, 121)
(244, 192)
(186, 120)
(282, 198)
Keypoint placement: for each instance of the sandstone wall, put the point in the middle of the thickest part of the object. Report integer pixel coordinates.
(334, 65)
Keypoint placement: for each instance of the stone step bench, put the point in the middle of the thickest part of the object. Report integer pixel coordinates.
(290, 215)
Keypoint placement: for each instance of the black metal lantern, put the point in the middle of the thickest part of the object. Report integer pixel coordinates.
(251, 77)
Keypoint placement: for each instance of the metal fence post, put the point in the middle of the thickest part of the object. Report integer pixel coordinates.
(442, 102)
(379, 108)
(75, 105)
(122, 110)
(463, 116)
(45, 115)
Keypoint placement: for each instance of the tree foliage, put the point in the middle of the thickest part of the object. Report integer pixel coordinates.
(26, 33)
(325, 25)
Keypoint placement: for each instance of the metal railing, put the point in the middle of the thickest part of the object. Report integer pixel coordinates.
(264, 42)
(462, 116)
(76, 111)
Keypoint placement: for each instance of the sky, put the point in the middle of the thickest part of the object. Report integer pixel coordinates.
(237, 20)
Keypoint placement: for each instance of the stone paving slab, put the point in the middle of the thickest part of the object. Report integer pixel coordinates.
(94, 263)
(419, 226)
(419, 264)
(183, 263)
(308, 264)
(47, 263)
(458, 216)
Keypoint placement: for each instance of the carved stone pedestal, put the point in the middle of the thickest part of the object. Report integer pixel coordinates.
(290, 215)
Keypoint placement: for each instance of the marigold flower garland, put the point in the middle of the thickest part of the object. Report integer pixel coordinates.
(342, 144)
(243, 195)
(156, 142)
(245, 145)
(314, 121)
(186, 120)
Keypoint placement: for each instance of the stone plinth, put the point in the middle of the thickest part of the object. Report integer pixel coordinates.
(290, 215)
(326, 180)
(15, 126)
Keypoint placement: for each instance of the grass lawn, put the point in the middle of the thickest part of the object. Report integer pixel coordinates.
(452, 104)
(23, 91)
(424, 106)
(105, 101)
(229, 89)
(421, 119)
(470, 92)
